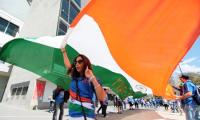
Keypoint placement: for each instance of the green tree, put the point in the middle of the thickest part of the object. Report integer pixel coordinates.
(195, 77)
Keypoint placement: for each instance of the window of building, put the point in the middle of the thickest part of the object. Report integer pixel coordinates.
(3, 24)
(69, 10)
(8, 27)
(19, 90)
(65, 10)
(13, 92)
(24, 91)
(73, 12)
(62, 28)
(12, 29)
(78, 2)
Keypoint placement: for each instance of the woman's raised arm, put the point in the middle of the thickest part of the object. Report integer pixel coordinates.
(66, 59)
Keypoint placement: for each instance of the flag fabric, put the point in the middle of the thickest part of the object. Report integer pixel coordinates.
(169, 93)
(141, 39)
(43, 57)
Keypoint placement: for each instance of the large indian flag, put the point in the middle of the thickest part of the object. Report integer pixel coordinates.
(140, 40)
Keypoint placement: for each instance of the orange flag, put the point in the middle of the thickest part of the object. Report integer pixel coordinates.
(146, 38)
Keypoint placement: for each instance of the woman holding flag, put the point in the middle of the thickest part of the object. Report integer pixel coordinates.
(82, 87)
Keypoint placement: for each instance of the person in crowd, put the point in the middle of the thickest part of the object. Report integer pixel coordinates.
(124, 104)
(82, 87)
(115, 101)
(58, 96)
(165, 104)
(119, 106)
(179, 109)
(51, 103)
(130, 102)
(104, 105)
(136, 103)
(190, 104)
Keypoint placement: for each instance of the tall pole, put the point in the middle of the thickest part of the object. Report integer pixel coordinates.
(180, 69)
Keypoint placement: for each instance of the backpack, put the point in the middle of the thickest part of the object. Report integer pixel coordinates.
(55, 93)
(197, 95)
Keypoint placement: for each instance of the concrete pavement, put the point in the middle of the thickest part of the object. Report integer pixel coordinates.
(169, 115)
(16, 113)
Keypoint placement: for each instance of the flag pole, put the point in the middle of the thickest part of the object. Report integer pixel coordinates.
(180, 69)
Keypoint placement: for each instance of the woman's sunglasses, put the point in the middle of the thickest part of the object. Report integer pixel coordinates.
(78, 61)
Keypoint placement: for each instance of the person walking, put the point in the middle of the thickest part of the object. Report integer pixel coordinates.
(51, 103)
(82, 87)
(101, 104)
(190, 104)
(130, 102)
(58, 96)
(119, 106)
(104, 104)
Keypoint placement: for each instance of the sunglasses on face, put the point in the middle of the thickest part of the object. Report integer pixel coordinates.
(78, 61)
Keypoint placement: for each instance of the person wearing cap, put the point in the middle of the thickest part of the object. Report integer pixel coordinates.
(190, 104)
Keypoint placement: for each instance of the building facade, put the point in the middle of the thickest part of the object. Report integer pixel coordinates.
(45, 18)
(9, 29)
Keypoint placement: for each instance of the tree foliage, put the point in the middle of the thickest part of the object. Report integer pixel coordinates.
(195, 77)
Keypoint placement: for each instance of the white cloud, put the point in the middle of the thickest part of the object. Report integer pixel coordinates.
(189, 60)
(186, 68)
(190, 68)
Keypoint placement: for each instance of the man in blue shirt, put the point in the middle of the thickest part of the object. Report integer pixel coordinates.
(190, 104)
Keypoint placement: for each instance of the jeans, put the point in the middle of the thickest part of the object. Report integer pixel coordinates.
(190, 111)
(197, 113)
(56, 107)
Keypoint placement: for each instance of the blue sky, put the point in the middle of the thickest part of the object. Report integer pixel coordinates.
(194, 52)
(191, 61)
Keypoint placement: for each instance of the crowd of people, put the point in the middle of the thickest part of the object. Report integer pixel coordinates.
(129, 103)
(60, 96)
(84, 86)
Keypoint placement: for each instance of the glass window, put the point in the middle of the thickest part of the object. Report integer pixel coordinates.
(60, 32)
(19, 91)
(78, 2)
(3, 24)
(62, 28)
(24, 91)
(73, 12)
(12, 29)
(13, 92)
(65, 9)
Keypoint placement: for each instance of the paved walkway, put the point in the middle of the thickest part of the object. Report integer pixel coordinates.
(17, 113)
(169, 115)
(143, 114)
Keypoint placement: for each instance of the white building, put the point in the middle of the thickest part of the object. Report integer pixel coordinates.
(45, 17)
(9, 28)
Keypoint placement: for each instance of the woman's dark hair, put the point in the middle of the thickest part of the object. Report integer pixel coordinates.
(86, 62)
